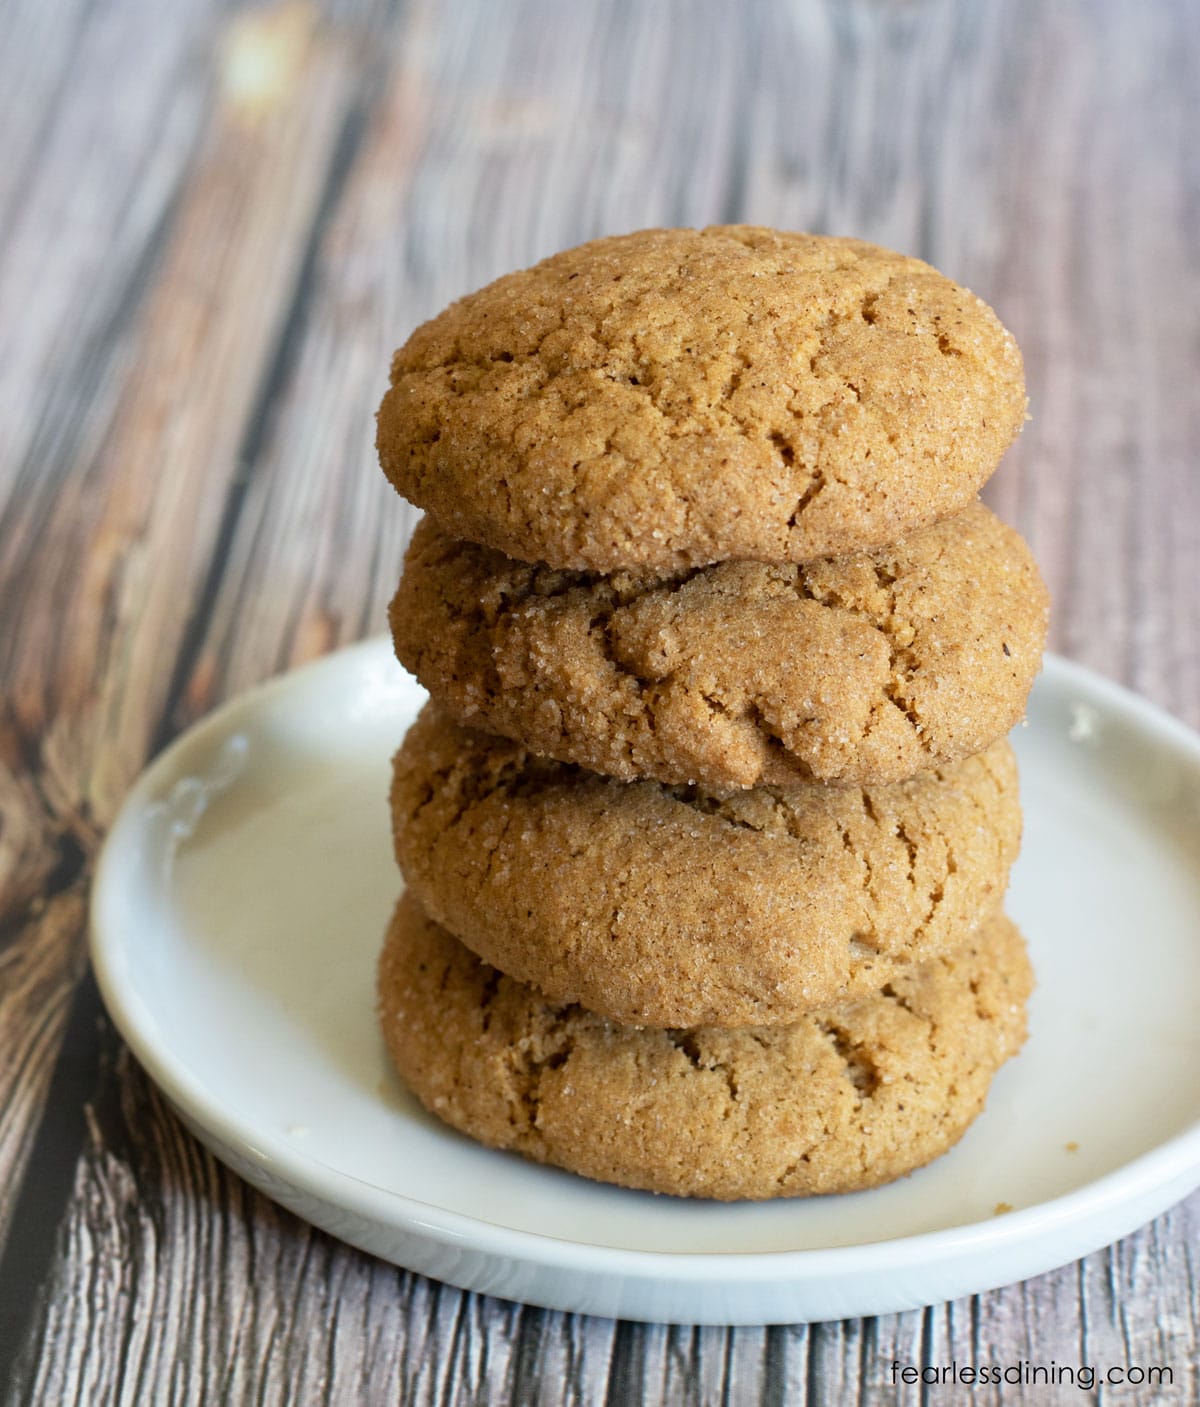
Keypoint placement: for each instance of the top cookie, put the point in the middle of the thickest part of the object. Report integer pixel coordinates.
(673, 398)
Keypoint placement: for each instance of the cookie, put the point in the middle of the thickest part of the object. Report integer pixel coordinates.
(681, 906)
(673, 398)
(860, 669)
(845, 1098)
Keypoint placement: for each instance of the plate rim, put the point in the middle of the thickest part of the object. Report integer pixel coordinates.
(287, 1162)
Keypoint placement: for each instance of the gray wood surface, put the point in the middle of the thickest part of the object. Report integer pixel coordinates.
(215, 223)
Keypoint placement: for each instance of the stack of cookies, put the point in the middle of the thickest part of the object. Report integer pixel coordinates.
(707, 825)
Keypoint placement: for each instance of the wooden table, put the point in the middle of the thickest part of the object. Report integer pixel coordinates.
(215, 224)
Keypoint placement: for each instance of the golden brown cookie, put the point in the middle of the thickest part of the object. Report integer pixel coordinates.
(680, 906)
(673, 398)
(845, 1098)
(860, 669)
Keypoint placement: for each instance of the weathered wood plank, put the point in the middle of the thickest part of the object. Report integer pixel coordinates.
(37, 976)
(132, 498)
(37, 45)
(92, 180)
(73, 252)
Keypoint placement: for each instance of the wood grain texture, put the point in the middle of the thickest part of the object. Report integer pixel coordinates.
(215, 224)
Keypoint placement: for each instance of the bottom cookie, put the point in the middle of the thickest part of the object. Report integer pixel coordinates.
(846, 1098)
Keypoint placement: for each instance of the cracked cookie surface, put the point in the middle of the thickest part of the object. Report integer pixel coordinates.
(673, 398)
(686, 906)
(866, 668)
(847, 1097)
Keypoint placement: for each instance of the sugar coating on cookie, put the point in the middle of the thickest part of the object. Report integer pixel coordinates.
(677, 397)
(685, 906)
(847, 1097)
(861, 669)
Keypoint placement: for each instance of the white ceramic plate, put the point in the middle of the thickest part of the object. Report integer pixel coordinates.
(243, 894)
